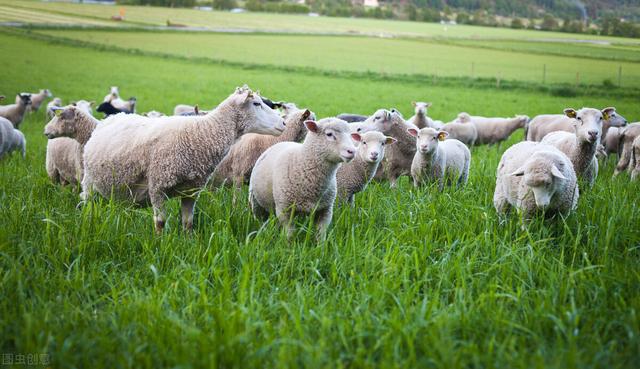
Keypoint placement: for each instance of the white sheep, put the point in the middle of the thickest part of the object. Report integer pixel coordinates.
(494, 130)
(152, 159)
(542, 125)
(581, 146)
(534, 176)
(11, 139)
(113, 91)
(462, 129)
(236, 166)
(439, 159)
(627, 135)
(15, 112)
(420, 119)
(634, 165)
(300, 178)
(84, 105)
(354, 176)
(38, 98)
(153, 114)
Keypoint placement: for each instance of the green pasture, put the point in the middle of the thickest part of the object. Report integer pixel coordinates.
(409, 278)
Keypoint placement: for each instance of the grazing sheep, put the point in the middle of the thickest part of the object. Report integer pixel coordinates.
(354, 176)
(541, 125)
(352, 118)
(11, 139)
(462, 130)
(153, 114)
(15, 112)
(534, 176)
(625, 148)
(300, 178)
(398, 159)
(634, 165)
(582, 145)
(38, 98)
(55, 103)
(152, 159)
(68, 132)
(420, 119)
(439, 159)
(237, 165)
(495, 130)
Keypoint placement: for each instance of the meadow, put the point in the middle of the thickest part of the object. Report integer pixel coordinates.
(406, 278)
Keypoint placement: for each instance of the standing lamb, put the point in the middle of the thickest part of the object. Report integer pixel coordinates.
(495, 130)
(152, 159)
(462, 130)
(354, 176)
(625, 148)
(300, 178)
(11, 139)
(439, 159)
(534, 176)
(420, 118)
(15, 112)
(541, 125)
(237, 165)
(38, 98)
(51, 107)
(582, 145)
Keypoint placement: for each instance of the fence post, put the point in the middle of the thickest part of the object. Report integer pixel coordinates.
(544, 74)
(620, 76)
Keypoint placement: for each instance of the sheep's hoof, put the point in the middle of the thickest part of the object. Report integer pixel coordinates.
(159, 226)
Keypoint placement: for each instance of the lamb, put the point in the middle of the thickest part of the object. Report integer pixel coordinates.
(399, 157)
(462, 130)
(625, 148)
(541, 125)
(354, 176)
(55, 103)
(68, 132)
(352, 118)
(237, 165)
(534, 176)
(495, 130)
(128, 106)
(15, 112)
(108, 109)
(582, 145)
(420, 119)
(635, 159)
(439, 159)
(152, 159)
(112, 91)
(11, 139)
(38, 98)
(300, 178)
(84, 105)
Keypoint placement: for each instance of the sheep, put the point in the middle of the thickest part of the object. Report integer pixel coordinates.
(112, 91)
(612, 140)
(581, 146)
(534, 176)
(236, 166)
(420, 118)
(300, 178)
(495, 130)
(68, 132)
(188, 110)
(439, 159)
(84, 105)
(15, 112)
(55, 103)
(399, 157)
(2, 97)
(634, 166)
(541, 125)
(625, 148)
(354, 176)
(128, 106)
(153, 114)
(462, 130)
(146, 160)
(352, 118)
(107, 108)
(38, 98)
(11, 139)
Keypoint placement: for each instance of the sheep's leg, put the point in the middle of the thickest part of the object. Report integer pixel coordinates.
(257, 210)
(285, 220)
(188, 203)
(625, 157)
(351, 200)
(323, 219)
(159, 214)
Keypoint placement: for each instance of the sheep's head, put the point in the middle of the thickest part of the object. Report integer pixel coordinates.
(84, 105)
(463, 118)
(23, 98)
(294, 122)
(421, 107)
(522, 120)
(372, 145)
(612, 118)
(114, 91)
(587, 123)
(46, 92)
(255, 115)
(64, 123)
(331, 139)
(56, 101)
(380, 121)
(427, 139)
(543, 176)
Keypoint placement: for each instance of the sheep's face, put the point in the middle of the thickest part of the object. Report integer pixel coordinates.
(114, 91)
(522, 120)
(56, 102)
(258, 116)
(63, 124)
(421, 107)
(84, 106)
(614, 119)
(47, 93)
(587, 123)
(463, 118)
(380, 121)
(23, 99)
(543, 178)
(333, 139)
(372, 145)
(427, 139)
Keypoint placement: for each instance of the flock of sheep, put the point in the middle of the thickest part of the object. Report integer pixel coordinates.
(295, 164)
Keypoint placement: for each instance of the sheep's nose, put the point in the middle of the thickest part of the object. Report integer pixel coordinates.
(423, 147)
(593, 134)
(350, 151)
(374, 155)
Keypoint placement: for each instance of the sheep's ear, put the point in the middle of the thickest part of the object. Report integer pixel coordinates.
(356, 137)
(196, 109)
(518, 172)
(557, 173)
(413, 132)
(606, 112)
(442, 135)
(428, 105)
(390, 140)
(312, 126)
(413, 103)
(92, 103)
(73, 103)
(306, 114)
(57, 111)
(571, 113)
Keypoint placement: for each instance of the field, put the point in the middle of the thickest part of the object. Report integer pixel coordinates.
(407, 278)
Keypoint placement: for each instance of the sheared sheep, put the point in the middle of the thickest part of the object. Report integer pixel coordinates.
(11, 139)
(494, 130)
(354, 176)
(300, 178)
(152, 159)
(625, 148)
(541, 125)
(38, 98)
(534, 176)
(439, 159)
(15, 112)
(462, 130)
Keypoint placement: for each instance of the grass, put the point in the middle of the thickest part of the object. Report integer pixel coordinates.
(408, 278)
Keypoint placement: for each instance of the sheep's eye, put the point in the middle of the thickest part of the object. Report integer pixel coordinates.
(364, 143)
(383, 144)
(329, 134)
(257, 104)
(376, 118)
(578, 118)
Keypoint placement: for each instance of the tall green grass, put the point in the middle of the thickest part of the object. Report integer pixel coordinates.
(407, 278)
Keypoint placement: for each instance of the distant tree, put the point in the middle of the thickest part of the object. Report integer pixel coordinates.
(549, 23)
(411, 11)
(430, 15)
(516, 23)
(463, 18)
(224, 4)
(253, 5)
